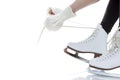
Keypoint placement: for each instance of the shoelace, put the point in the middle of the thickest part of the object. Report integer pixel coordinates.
(113, 42)
(57, 11)
(82, 26)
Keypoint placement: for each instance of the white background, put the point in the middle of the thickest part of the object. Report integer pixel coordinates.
(22, 58)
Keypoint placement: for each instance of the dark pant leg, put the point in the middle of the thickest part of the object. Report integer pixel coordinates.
(111, 15)
(119, 13)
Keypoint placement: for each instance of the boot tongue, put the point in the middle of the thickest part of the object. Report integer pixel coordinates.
(118, 34)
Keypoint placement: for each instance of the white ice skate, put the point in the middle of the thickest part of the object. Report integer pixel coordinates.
(96, 44)
(109, 61)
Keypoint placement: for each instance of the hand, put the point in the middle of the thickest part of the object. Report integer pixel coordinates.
(53, 11)
(57, 17)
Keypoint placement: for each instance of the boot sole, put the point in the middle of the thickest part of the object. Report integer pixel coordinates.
(103, 68)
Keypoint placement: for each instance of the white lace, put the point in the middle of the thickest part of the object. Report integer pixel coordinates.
(82, 26)
(113, 43)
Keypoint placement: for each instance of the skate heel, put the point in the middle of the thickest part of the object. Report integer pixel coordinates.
(97, 55)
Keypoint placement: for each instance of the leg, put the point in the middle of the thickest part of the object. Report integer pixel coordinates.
(79, 4)
(119, 13)
(111, 15)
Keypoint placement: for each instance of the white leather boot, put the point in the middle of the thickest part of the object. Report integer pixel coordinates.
(96, 43)
(111, 60)
(54, 22)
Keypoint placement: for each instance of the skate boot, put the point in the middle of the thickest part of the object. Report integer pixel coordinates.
(54, 22)
(96, 44)
(111, 60)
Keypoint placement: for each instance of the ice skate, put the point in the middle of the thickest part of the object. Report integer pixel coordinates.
(95, 44)
(109, 61)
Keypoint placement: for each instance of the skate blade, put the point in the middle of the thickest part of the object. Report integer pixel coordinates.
(76, 56)
(103, 73)
(99, 77)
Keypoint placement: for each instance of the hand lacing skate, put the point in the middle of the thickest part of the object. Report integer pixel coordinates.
(57, 11)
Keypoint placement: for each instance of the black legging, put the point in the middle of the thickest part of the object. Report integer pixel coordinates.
(119, 13)
(111, 15)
